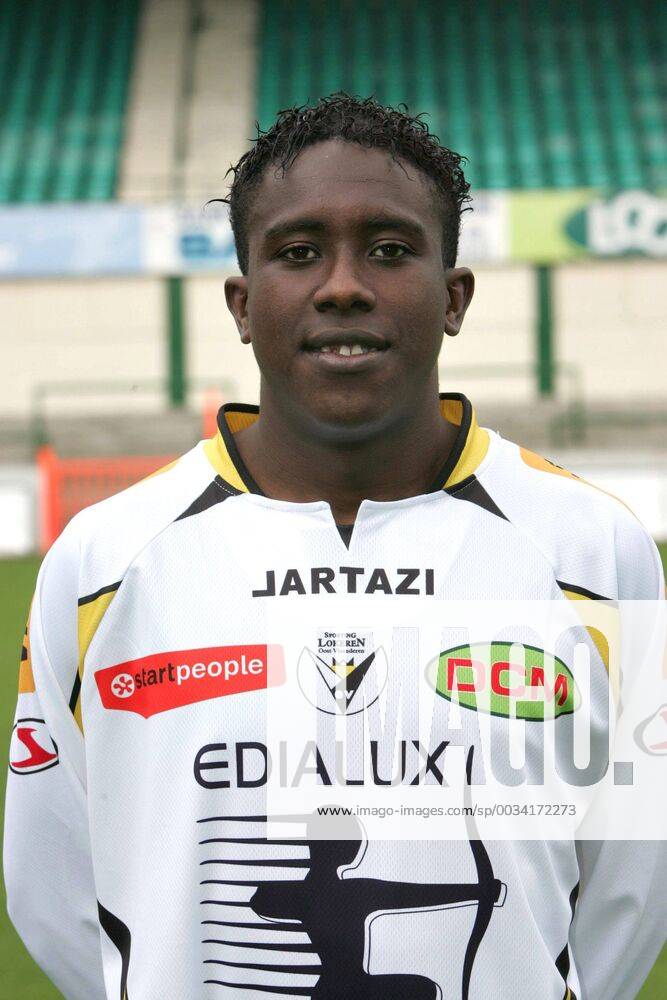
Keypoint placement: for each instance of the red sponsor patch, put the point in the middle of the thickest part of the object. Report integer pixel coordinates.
(162, 681)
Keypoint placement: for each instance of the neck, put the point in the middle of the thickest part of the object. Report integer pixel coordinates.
(399, 462)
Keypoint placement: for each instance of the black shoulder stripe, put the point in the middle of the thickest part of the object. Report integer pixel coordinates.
(216, 491)
(582, 591)
(119, 934)
(472, 490)
(76, 691)
(89, 598)
(563, 960)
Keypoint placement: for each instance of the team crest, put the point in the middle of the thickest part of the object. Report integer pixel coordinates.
(344, 673)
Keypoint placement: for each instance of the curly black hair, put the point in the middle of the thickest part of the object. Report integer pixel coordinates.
(354, 119)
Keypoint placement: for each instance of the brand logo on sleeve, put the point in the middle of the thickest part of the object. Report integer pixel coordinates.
(162, 681)
(31, 748)
(651, 734)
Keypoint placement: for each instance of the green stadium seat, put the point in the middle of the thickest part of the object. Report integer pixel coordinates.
(536, 95)
(64, 70)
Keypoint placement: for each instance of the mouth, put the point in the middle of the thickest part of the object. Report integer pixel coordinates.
(344, 349)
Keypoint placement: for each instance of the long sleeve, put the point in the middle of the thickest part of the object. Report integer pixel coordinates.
(47, 858)
(620, 921)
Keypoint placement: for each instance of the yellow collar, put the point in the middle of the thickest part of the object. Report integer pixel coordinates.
(470, 446)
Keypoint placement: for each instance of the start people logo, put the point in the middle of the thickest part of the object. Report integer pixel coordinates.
(162, 681)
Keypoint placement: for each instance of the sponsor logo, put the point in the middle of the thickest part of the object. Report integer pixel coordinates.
(324, 881)
(162, 681)
(344, 674)
(481, 676)
(633, 222)
(31, 748)
(250, 763)
(651, 734)
(346, 580)
(123, 686)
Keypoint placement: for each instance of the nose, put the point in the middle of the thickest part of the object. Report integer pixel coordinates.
(344, 288)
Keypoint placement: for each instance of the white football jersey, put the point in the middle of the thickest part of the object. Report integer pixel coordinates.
(143, 857)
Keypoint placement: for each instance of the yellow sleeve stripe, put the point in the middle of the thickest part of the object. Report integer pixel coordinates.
(544, 465)
(599, 640)
(26, 676)
(606, 639)
(91, 612)
(165, 468)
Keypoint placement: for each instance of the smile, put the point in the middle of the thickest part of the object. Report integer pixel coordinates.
(347, 350)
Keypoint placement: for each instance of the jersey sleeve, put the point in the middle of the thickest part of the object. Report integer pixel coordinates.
(49, 880)
(620, 921)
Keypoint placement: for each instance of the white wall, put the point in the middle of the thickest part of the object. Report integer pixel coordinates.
(74, 330)
(612, 323)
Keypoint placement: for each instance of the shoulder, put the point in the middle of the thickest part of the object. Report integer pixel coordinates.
(104, 538)
(593, 540)
(83, 570)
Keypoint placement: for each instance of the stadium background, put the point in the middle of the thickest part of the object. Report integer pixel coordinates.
(117, 123)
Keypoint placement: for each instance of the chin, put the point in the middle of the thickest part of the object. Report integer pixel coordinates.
(348, 423)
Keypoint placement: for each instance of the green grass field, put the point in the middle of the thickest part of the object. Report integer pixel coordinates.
(20, 977)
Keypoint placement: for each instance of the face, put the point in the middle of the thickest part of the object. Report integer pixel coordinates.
(345, 255)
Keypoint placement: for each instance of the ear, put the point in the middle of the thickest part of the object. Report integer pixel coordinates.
(236, 294)
(460, 289)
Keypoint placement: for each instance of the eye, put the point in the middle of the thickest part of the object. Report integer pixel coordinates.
(392, 247)
(299, 253)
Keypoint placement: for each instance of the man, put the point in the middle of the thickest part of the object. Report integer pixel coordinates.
(139, 862)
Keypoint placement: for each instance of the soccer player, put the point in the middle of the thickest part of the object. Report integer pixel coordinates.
(137, 858)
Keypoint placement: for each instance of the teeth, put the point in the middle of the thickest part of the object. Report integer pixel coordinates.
(347, 350)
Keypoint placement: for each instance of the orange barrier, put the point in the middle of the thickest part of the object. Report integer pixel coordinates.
(212, 401)
(67, 485)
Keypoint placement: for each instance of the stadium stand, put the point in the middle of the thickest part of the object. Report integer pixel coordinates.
(192, 98)
(64, 69)
(223, 94)
(536, 95)
(147, 161)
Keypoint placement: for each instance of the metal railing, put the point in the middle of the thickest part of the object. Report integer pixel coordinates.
(568, 425)
(45, 392)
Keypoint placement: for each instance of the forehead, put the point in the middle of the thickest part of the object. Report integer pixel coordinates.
(341, 181)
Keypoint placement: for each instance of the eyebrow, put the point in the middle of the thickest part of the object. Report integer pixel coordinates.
(371, 224)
